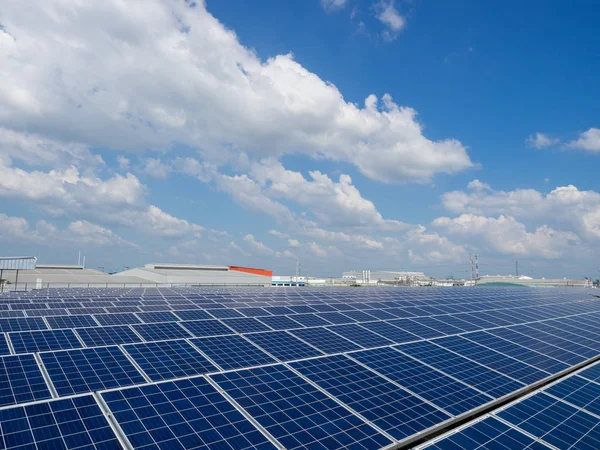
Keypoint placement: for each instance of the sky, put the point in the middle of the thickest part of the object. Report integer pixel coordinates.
(342, 134)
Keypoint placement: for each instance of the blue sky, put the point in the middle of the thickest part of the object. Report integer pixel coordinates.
(346, 134)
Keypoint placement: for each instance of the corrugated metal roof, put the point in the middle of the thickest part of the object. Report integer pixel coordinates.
(17, 262)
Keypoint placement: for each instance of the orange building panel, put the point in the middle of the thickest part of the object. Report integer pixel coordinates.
(266, 273)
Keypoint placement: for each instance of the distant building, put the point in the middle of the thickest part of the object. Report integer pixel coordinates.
(285, 281)
(382, 276)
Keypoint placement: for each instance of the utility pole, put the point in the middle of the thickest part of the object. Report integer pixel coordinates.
(471, 263)
(476, 267)
(517, 267)
(297, 270)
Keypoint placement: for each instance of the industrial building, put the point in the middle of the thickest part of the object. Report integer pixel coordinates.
(23, 273)
(383, 276)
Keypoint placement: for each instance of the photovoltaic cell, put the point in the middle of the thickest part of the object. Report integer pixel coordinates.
(325, 340)
(160, 331)
(487, 434)
(82, 320)
(360, 336)
(22, 323)
(193, 314)
(390, 332)
(453, 396)
(90, 369)
(109, 335)
(39, 341)
(117, 319)
(386, 405)
(4, 350)
(579, 392)
(201, 328)
(21, 380)
(280, 322)
(423, 331)
(182, 414)
(159, 316)
(296, 413)
(232, 352)
(555, 422)
(310, 320)
(246, 325)
(283, 345)
(169, 359)
(73, 423)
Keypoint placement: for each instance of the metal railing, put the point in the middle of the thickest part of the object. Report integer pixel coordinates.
(25, 287)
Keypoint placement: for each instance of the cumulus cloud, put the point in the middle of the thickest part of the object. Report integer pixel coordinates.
(278, 234)
(541, 140)
(263, 249)
(388, 15)
(123, 162)
(294, 243)
(588, 140)
(508, 236)
(563, 205)
(154, 167)
(156, 73)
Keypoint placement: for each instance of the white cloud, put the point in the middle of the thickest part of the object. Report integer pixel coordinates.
(76, 69)
(387, 14)
(508, 236)
(541, 140)
(263, 249)
(333, 203)
(294, 243)
(588, 140)
(317, 250)
(566, 205)
(154, 167)
(278, 234)
(330, 5)
(123, 162)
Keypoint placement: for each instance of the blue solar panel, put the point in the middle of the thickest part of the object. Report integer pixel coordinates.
(579, 392)
(90, 369)
(487, 434)
(325, 340)
(555, 422)
(591, 373)
(523, 354)
(336, 318)
(109, 335)
(193, 314)
(4, 349)
(493, 359)
(223, 314)
(22, 323)
(246, 325)
(390, 332)
(360, 336)
(154, 317)
(296, 413)
(39, 341)
(254, 312)
(21, 380)
(73, 423)
(83, 320)
(359, 316)
(201, 328)
(310, 320)
(386, 405)
(169, 359)
(160, 331)
(117, 319)
(416, 328)
(232, 352)
(283, 345)
(182, 414)
(280, 322)
(453, 396)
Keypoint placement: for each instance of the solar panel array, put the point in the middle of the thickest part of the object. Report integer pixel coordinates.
(253, 368)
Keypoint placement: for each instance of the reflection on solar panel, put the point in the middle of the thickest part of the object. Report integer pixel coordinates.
(21, 380)
(168, 359)
(232, 352)
(39, 341)
(490, 434)
(325, 340)
(555, 422)
(471, 373)
(182, 414)
(89, 369)
(57, 424)
(441, 390)
(109, 335)
(283, 346)
(386, 405)
(296, 413)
